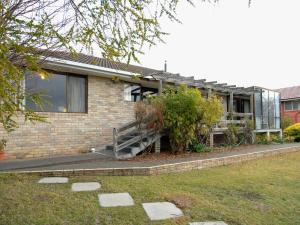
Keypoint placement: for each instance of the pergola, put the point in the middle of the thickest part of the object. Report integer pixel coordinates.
(177, 79)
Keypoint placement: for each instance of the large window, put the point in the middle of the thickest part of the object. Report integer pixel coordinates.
(292, 105)
(60, 93)
(267, 110)
(135, 93)
(132, 93)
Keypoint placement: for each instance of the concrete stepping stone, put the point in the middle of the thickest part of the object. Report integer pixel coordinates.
(209, 223)
(115, 199)
(162, 210)
(53, 180)
(86, 186)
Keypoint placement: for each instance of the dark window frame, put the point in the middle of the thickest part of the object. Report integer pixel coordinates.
(74, 75)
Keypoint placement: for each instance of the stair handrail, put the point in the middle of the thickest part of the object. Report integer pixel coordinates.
(127, 126)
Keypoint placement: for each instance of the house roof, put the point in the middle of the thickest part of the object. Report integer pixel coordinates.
(290, 92)
(96, 61)
(147, 72)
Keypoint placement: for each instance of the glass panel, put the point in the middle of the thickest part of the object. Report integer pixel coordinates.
(271, 110)
(277, 104)
(246, 106)
(258, 110)
(76, 94)
(258, 122)
(265, 108)
(277, 122)
(296, 105)
(288, 106)
(132, 93)
(52, 91)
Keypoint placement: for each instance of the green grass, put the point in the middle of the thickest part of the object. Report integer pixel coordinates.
(265, 192)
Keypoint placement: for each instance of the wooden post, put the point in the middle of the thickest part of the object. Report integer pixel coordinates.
(231, 102)
(160, 86)
(209, 93)
(115, 141)
(268, 135)
(252, 109)
(211, 139)
(251, 104)
(253, 137)
(157, 146)
(280, 134)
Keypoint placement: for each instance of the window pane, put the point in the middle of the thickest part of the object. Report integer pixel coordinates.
(258, 110)
(76, 94)
(277, 105)
(288, 106)
(132, 93)
(52, 91)
(265, 107)
(271, 110)
(296, 105)
(277, 122)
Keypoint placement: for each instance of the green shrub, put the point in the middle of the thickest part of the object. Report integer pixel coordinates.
(196, 146)
(293, 131)
(231, 135)
(186, 114)
(275, 138)
(286, 122)
(262, 139)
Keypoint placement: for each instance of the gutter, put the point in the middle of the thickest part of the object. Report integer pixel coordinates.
(92, 69)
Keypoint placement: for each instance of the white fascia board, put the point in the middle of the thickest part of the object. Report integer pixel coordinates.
(89, 67)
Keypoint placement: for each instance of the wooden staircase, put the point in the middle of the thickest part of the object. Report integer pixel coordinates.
(131, 139)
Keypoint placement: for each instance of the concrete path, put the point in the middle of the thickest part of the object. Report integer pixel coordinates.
(53, 180)
(86, 186)
(161, 210)
(115, 199)
(209, 223)
(96, 161)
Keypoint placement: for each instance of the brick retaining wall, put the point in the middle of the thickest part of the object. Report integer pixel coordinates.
(167, 168)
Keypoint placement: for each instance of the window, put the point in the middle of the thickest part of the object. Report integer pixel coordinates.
(296, 105)
(60, 93)
(288, 106)
(132, 93)
(267, 110)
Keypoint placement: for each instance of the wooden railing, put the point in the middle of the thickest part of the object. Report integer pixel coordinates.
(139, 127)
(234, 118)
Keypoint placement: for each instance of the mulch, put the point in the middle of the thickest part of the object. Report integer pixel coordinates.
(169, 155)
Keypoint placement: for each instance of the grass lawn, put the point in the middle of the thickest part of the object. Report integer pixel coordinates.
(265, 192)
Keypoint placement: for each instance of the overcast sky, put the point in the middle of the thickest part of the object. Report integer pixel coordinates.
(231, 43)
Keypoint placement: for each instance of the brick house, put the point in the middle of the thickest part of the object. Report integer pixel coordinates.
(87, 98)
(290, 103)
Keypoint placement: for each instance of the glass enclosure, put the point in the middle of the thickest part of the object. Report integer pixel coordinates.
(267, 109)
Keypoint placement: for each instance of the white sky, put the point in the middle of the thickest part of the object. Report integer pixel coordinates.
(233, 44)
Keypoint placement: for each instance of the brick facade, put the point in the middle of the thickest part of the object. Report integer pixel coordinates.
(70, 133)
(293, 114)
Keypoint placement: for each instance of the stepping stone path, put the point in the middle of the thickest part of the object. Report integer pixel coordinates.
(86, 186)
(161, 210)
(115, 199)
(154, 210)
(209, 223)
(53, 180)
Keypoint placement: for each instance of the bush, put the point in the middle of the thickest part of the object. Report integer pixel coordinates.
(187, 115)
(286, 122)
(199, 147)
(262, 139)
(275, 138)
(231, 135)
(293, 132)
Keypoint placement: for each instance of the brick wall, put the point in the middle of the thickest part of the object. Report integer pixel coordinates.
(70, 133)
(293, 114)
